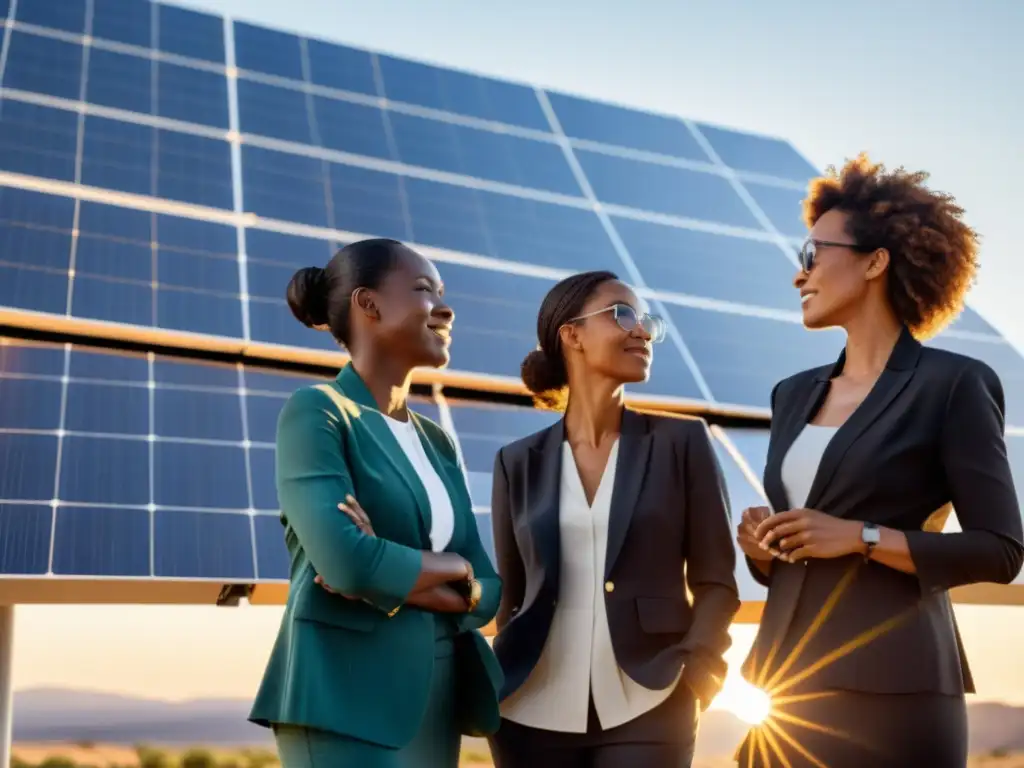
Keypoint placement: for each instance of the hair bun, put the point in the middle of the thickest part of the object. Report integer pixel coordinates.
(545, 377)
(307, 296)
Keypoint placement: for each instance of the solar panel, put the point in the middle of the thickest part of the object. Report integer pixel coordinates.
(121, 465)
(157, 467)
(164, 172)
(253, 141)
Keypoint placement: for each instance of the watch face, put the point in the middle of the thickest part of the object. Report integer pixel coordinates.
(871, 535)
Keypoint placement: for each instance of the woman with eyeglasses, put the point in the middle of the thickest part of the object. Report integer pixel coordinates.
(607, 660)
(858, 645)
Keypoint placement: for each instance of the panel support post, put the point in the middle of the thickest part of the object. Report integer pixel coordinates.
(6, 682)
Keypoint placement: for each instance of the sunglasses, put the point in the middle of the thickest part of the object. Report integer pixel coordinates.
(808, 252)
(628, 319)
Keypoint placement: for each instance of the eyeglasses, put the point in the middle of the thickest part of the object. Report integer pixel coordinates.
(808, 252)
(628, 319)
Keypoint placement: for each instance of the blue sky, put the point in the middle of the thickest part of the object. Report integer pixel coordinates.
(935, 85)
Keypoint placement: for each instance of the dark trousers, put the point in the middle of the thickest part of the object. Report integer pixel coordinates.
(846, 729)
(661, 738)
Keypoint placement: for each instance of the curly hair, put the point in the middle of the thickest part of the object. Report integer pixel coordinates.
(933, 254)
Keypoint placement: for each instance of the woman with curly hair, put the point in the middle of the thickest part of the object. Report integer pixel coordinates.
(858, 645)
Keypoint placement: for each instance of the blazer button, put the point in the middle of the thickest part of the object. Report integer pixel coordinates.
(609, 586)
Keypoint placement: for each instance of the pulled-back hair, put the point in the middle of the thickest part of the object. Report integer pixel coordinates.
(543, 370)
(322, 297)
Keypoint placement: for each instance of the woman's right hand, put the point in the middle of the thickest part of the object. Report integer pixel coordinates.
(751, 546)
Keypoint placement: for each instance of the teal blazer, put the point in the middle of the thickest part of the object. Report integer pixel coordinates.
(358, 667)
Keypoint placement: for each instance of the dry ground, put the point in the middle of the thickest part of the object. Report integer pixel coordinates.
(474, 756)
(106, 755)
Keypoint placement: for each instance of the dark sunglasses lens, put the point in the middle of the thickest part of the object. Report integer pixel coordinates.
(807, 254)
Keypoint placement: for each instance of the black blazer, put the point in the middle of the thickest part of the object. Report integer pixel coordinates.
(669, 509)
(929, 433)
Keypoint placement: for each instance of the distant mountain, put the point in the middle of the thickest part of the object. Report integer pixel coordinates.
(996, 726)
(50, 714)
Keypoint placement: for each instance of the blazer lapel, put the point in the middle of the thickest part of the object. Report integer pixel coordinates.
(543, 486)
(899, 369)
(634, 458)
(351, 384)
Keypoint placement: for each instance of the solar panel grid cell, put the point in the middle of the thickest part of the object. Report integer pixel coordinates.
(145, 453)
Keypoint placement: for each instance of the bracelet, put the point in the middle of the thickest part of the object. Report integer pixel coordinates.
(476, 591)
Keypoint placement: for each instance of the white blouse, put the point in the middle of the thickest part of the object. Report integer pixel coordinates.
(442, 516)
(578, 659)
(800, 465)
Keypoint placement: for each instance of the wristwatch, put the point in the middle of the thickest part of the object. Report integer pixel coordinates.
(870, 535)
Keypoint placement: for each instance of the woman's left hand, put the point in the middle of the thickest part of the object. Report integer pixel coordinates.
(357, 515)
(804, 533)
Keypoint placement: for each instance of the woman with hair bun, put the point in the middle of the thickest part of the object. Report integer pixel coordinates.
(378, 662)
(858, 644)
(607, 658)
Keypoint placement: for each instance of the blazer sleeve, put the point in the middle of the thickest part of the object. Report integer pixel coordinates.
(973, 451)
(765, 580)
(312, 479)
(474, 552)
(506, 552)
(710, 565)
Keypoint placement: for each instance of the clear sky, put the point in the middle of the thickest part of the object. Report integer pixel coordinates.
(929, 84)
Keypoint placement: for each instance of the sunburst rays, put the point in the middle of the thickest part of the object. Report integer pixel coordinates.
(776, 741)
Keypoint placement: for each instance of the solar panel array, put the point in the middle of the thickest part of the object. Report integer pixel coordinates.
(166, 170)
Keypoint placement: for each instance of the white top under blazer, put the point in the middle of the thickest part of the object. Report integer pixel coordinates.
(800, 464)
(442, 516)
(578, 657)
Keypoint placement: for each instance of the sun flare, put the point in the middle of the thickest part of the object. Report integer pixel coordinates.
(749, 703)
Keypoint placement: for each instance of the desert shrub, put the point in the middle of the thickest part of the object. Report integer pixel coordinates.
(198, 758)
(58, 762)
(153, 758)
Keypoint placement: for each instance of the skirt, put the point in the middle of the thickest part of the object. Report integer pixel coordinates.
(847, 729)
(436, 744)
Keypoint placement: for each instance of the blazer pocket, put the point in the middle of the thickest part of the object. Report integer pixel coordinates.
(666, 615)
(316, 604)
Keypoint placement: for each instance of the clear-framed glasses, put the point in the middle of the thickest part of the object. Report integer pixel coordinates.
(808, 252)
(628, 319)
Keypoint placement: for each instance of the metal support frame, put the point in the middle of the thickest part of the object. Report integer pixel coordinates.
(6, 682)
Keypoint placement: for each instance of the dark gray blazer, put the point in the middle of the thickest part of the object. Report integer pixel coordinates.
(928, 434)
(669, 510)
